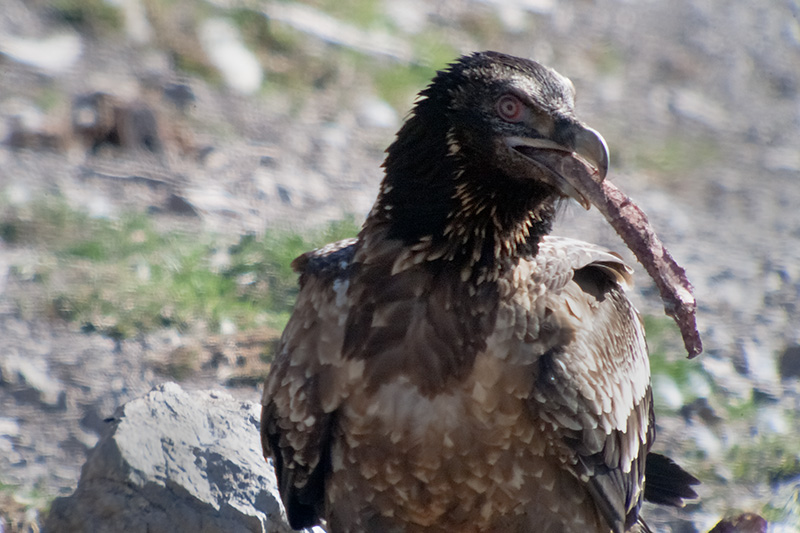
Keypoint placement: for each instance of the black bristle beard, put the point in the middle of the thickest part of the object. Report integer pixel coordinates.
(475, 218)
(502, 218)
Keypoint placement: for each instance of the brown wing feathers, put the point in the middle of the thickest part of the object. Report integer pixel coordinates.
(295, 427)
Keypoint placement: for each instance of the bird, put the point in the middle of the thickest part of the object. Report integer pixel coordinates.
(455, 367)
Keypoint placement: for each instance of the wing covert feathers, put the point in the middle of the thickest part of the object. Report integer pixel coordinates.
(307, 382)
(596, 386)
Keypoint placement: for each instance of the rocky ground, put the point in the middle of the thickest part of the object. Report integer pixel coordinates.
(699, 102)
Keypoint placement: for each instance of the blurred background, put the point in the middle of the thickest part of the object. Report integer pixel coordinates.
(162, 161)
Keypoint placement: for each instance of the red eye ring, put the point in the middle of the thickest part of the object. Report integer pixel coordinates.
(510, 108)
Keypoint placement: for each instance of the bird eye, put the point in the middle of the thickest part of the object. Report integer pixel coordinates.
(510, 108)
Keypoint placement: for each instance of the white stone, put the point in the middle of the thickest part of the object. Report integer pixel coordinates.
(376, 113)
(227, 326)
(54, 55)
(667, 392)
(224, 47)
(9, 427)
(409, 16)
(32, 372)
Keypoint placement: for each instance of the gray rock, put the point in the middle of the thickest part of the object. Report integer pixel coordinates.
(31, 381)
(175, 461)
(789, 365)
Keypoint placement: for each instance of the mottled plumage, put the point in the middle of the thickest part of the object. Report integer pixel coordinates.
(454, 368)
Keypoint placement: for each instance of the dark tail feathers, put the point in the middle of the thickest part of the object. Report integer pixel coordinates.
(666, 483)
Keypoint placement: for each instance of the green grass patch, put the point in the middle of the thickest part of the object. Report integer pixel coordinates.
(361, 13)
(752, 455)
(93, 16)
(786, 512)
(667, 359)
(773, 460)
(124, 277)
(16, 500)
(607, 58)
(48, 98)
(666, 351)
(398, 83)
(254, 27)
(765, 458)
(676, 155)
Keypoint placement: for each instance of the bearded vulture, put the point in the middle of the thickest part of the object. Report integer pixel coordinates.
(454, 368)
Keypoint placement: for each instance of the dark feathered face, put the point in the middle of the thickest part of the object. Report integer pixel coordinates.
(518, 117)
(490, 146)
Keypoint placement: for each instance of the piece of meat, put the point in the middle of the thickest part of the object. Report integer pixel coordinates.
(631, 223)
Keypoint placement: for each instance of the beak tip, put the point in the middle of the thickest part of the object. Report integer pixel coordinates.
(593, 146)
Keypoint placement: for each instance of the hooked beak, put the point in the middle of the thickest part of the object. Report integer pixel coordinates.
(567, 166)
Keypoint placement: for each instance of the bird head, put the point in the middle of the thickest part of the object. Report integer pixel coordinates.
(517, 116)
(493, 142)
